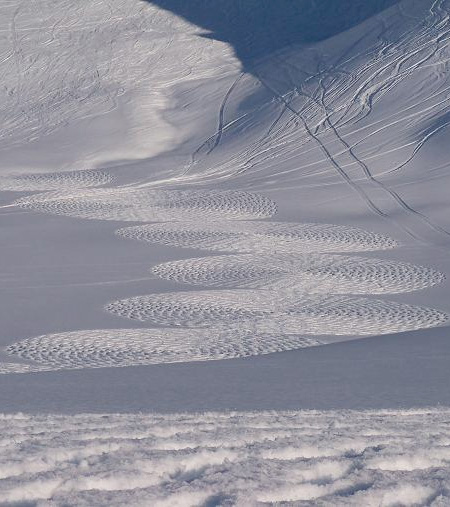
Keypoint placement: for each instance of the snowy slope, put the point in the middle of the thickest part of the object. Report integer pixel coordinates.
(340, 130)
(205, 215)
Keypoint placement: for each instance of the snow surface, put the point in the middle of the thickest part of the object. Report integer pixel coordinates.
(373, 458)
(201, 210)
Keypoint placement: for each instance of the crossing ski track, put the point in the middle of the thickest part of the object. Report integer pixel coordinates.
(165, 205)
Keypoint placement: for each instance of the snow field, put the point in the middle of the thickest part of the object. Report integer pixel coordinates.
(373, 458)
(335, 112)
(288, 293)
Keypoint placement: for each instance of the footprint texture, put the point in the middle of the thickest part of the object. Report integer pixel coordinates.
(143, 205)
(196, 309)
(21, 368)
(304, 273)
(260, 237)
(131, 347)
(266, 312)
(54, 181)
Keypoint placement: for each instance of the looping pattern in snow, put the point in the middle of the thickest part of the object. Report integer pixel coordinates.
(268, 313)
(141, 205)
(332, 458)
(307, 273)
(53, 181)
(131, 347)
(271, 237)
(194, 309)
(21, 368)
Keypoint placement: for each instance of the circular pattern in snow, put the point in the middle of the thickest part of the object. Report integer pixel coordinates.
(21, 368)
(267, 312)
(131, 347)
(195, 309)
(261, 237)
(51, 181)
(306, 273)
(143, 205)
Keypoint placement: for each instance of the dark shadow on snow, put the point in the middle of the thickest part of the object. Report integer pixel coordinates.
(256, 28)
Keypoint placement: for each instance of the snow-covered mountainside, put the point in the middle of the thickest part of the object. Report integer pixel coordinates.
(220, 205)
(346, 129)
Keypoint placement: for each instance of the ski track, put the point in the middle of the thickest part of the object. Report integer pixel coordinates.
(331, 102)
(368, 175)
(211, 144)
(374, 458)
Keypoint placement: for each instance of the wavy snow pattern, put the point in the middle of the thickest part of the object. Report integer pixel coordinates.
(54, 181)
(266, 312)
(288, 293)
(259, 237)
(285, 290)
(307, 273)
(21, 368)
(130, 347)
(143, 205)
(333, 458)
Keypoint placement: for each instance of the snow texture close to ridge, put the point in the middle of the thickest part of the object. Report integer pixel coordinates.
(333, 458)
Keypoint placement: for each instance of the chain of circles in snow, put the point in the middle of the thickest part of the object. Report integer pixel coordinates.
(288, 311)
(269, 312)
(129, 347)
(259, 237)
(58, 180)
(217, 325)
(305, 273)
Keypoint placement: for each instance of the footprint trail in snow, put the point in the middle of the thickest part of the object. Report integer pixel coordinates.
(282, 286)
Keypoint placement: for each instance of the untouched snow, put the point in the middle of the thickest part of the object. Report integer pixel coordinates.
(373, 458)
